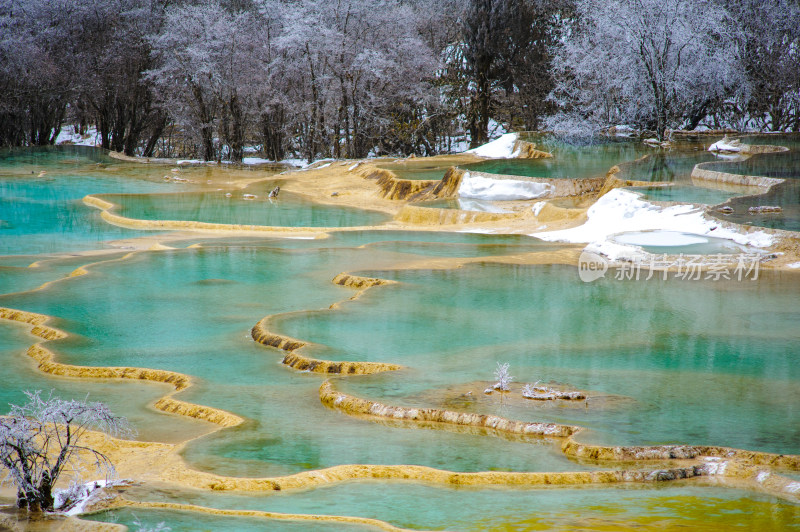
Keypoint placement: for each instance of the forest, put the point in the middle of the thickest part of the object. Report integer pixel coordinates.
(357, 78)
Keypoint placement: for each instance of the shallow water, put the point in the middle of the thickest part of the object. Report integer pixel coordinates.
(415, 506)
(568, 161)
(664, 361)
(416, 170)
(288, 210)
(45, 214)
(685, 194)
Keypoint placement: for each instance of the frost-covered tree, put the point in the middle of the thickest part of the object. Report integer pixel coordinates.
(113, 54)
(351, 68)
(770, 51)
(37, 69)
(650, 63)
(41, 440)
(206, 58)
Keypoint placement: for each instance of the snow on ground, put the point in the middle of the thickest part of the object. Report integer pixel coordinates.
(794, 265)
(725, 145)
(537, 207)
(501, 148)
(484, 188)
(660, 238)
(623, 211)
(67, 135)
(74, 500)
(255, 160)
(479, 206)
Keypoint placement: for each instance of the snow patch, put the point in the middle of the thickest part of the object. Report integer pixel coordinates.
(762, 476)
(622, 211)
(537, 207)
(501, 148)
(660, 238)
(255, 160)
(725, 145)
(479, 206)
(794, 265)
(75, 499)
(484, 188)
(68, 135)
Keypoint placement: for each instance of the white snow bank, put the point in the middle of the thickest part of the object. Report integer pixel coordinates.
(725, 145)
(622, 211)
(794, 265)
(484, 188)
(501, 148)
(660, 238)
(68, 135)
(479, 206)
(255, 160)
(537, 207)
(75, 499)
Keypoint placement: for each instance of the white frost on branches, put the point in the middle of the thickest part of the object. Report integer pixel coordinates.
(41, 439)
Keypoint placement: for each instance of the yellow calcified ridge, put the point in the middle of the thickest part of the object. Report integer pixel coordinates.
(527, 150)
(574, 449)
(184, 225)
(349, 472)
(374, 523)
(701, 173)
(355, 406)
(412, 214)
(46, 363)
(391, 186)
(300, 362)
(359, 282)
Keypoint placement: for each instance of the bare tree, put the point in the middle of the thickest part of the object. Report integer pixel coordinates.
(41, 439)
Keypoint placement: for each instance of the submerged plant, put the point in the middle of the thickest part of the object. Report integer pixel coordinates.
(503, 377)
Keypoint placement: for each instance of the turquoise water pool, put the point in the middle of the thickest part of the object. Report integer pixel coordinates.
(289, 210)
(676, 361)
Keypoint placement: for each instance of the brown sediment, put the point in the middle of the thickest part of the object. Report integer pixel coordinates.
(366, 521)
(359, 282)
(46, 363)
(145, 160)
(360, 407)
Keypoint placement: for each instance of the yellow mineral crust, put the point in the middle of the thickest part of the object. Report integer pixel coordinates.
(359, 282)
(374, 523)
(361, 407)
(185, 225)
(527, 150)
(295, 360)
(46, 363)
(300, 362)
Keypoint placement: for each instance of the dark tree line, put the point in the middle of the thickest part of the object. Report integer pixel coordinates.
(350, 78)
